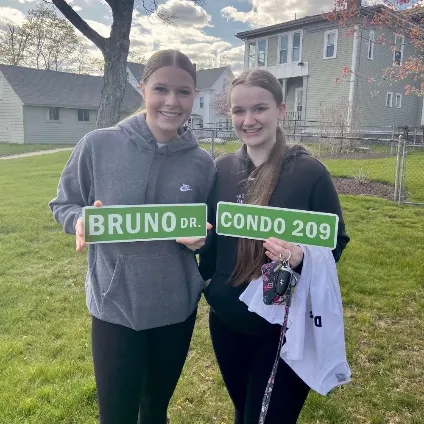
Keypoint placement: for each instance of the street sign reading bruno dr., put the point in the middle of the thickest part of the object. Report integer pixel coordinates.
(112, 224)
(262, 222)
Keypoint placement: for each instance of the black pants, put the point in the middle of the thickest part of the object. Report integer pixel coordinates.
(246, 362)
(137, 371)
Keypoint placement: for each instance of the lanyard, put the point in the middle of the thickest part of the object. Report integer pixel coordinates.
(268, 390)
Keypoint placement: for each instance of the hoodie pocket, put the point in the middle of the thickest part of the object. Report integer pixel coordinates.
(152, 291)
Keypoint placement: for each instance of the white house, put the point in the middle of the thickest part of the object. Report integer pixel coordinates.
(42, 106)
(210, 82)
(135, 72)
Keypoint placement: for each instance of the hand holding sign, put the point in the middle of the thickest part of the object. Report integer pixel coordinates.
(276, 247)
(192, 242)
(79, 231)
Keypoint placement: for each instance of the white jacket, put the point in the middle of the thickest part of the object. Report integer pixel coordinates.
(315, 343)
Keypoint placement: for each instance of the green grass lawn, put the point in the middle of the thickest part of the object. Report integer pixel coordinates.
(46, 373)
(7, 149)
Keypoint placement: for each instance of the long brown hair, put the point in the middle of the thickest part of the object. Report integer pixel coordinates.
(260, 185)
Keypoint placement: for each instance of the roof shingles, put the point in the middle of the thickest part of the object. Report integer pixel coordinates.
(37, 87)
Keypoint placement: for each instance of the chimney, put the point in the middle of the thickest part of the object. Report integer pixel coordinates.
(353, 4)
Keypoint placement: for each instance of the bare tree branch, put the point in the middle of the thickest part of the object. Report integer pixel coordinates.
(80, 24)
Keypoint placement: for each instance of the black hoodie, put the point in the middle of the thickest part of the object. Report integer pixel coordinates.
(304, 184)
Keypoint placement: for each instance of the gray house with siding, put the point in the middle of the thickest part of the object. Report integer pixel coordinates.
(41, 106)
(307, 56)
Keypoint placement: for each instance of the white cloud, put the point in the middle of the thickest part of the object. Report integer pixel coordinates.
(236, 54)
(77, 8)
(102, 29)
(150, 33)
(9, 15)
(185, 13)
(269, 12)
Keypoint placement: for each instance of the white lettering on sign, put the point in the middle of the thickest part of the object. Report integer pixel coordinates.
(171, 225)
(153, 222)
(129, 226)
(193, 222)
(223, 216)
(115, 221)
(95, 225)
(238, 221)
(279, 226)
(252, 222)
(265, 220)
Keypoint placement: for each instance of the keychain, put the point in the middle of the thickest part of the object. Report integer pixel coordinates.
(285, 275)
(278, 281)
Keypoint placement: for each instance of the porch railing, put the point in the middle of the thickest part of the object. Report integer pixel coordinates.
(293, 116)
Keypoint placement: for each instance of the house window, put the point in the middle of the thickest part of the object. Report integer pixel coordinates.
(284, 47)
(83, 115)
(258, 59)
(54, 114)
(296, 47)
(201, 102)
(398, 49)
(371, 43)
(252, 54)
(330, 44)
(262, 52)
(398, 100)
(389, 99)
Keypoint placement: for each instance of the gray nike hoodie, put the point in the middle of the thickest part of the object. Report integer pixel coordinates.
(139, 285)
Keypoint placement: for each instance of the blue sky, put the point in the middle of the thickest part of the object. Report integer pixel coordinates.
(204, 33)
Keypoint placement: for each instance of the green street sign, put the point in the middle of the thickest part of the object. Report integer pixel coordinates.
(112, 224)
(262, 222)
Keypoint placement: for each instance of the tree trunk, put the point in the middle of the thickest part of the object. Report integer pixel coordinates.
(115, 79)
(115, 55)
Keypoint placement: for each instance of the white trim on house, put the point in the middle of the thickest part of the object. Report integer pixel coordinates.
(290, 36)
(51, 114)
(371, 44)
(265, 51)
(355, 52)
(389, 95)
(402, 45)
(298, 99)
(256, 59)
(398, 104)
(422, 113)
(336, 36)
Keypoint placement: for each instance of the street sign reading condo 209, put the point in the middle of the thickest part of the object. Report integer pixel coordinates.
(112, 224)
(262, 222)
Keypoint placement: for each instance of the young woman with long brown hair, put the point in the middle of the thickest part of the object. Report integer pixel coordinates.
(142, 296)
(264, 171)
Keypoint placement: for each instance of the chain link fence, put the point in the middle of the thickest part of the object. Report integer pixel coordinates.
(386, 163)
(409, 186)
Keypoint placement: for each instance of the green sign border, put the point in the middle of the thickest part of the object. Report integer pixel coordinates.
(144, 206)
(297, 211)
